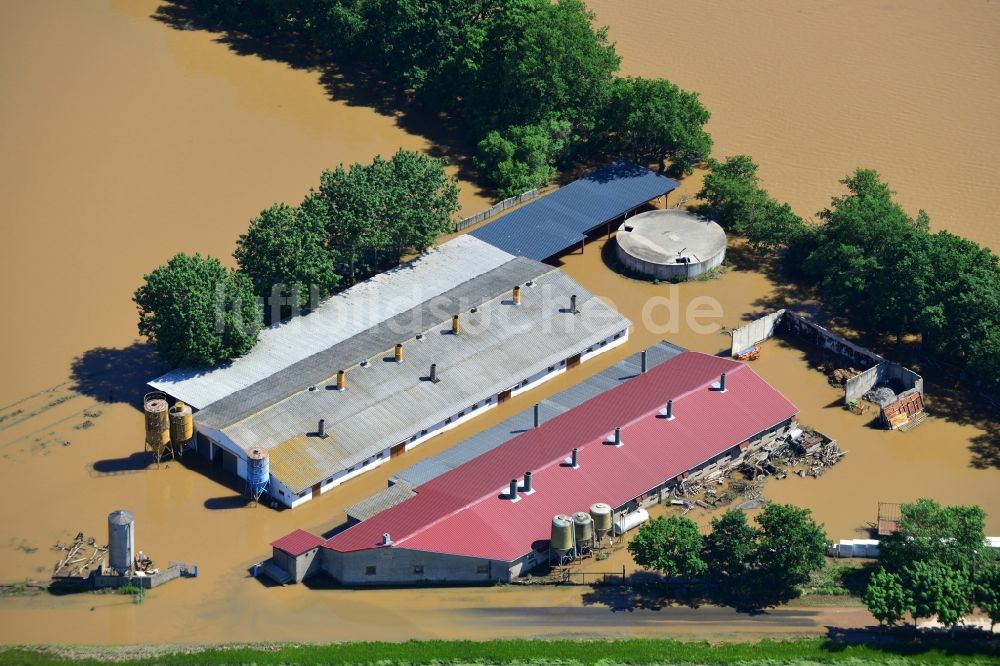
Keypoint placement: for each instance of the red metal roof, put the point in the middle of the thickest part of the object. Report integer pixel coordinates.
(465, 512)
(297, 542)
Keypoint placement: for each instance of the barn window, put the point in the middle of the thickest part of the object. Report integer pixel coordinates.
(482, 569)
(370, 571)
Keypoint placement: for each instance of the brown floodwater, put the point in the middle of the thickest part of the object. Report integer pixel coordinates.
(813, 90)
(125, 141)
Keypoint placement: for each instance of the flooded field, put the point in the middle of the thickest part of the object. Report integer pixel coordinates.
(813, 90)
(125, 141)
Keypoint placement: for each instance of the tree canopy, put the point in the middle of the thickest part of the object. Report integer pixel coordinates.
(197, 312)
(524, 157)
(285, 254)
(671, 546)
(885, 597)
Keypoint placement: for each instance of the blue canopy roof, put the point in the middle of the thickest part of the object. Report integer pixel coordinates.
(560, 220)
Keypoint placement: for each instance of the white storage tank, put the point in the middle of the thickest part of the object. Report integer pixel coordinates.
(121, 541)
(630, 521)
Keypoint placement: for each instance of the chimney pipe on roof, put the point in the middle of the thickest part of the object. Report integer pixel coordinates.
(526, 487)
(517, 295)
(536, 415)
(434, 373)
(321, 431)
(722, 383)
(572, 304)
(386, 540)
(574, 458)
(399, 352)
(456, 325)
(668, 411)
(618, 436)
(642, 361)
(341, 380)
(512, 495)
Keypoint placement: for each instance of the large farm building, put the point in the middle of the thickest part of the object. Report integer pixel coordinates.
(351, 385)
(490, 518)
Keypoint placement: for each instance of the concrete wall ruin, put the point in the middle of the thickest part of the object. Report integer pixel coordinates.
(879, 371)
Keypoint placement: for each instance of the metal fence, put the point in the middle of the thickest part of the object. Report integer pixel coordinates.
(496, 208)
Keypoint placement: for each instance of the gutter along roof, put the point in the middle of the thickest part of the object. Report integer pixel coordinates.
(464, 512)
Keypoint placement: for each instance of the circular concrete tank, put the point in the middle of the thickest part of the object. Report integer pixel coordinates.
(670, 244)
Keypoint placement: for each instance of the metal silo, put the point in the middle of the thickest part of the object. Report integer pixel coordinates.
(562, 535)
(181, 425)
(583, 528)
(601, 515)
(121, 541)
(154, 407)
(258, 472)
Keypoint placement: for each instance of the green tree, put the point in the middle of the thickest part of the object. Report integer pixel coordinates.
(728, 555)
(936, 591)
(790, 547)
(988, 592)
(405, 202)
(885, 597)
(196, 312)
(734, 198)
(537, 60)
(953, 536)
(523, 157)
(285, 250)
(868, 246)
(671, 546)
(655, 120)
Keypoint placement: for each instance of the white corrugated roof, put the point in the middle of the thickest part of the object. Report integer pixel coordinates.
(340, 317)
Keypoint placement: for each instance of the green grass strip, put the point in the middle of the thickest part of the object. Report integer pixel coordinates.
(635, 651)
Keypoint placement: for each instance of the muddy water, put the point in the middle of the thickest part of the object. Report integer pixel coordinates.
(126, 141)
(813, 90)
(166, 141)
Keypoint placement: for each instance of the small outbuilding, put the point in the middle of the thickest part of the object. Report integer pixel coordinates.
(670, 244)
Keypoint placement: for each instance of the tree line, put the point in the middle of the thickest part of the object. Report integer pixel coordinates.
(744, 565)
(937, 565)
(874, 264)
(359, 220)
(533, 83)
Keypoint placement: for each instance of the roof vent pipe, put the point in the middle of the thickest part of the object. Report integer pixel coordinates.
(536, 415)
(722, 383)
(512, 494)
(399, 352)
(526, 487)
(668, 411)
(574, 459)
(434, 373)
(341, 380)
(456, 325)
(618, 436)
(572, 304)
(386, 540)
(642, 361)
(517, 295)
(321, 430)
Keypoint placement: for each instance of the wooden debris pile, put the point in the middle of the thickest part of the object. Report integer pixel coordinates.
(82, 557)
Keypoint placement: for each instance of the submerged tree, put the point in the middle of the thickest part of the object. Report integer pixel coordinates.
(285, 254)
(196, 312)
(523, 157)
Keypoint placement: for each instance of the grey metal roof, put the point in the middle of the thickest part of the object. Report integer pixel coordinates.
(386, 402)
(382, 337)
(337, 319)
(560, 220)
(379, 502)
(562, 402)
